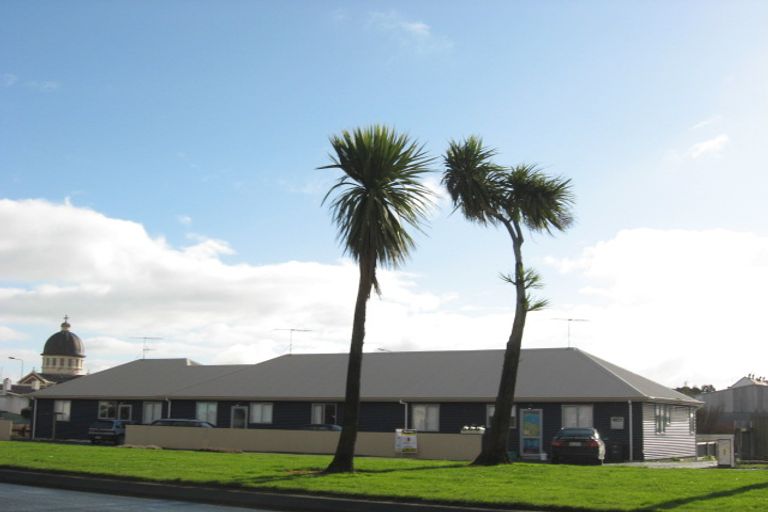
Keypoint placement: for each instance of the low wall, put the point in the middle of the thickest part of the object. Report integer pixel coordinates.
(5, 430)
(375, 444)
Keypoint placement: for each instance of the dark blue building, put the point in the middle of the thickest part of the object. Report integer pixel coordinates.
(427, 391)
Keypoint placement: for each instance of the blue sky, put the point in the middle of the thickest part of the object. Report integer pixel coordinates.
(202, 124)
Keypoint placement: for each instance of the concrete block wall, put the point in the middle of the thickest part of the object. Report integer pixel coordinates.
(5, 430)
(375, 444)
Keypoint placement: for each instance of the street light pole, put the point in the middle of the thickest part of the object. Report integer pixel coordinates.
(22, 365)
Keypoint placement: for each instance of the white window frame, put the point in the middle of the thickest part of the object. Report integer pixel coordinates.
(151, 411)
(662, 417)
(585, 415)
(261, 413)
(490, 410)
(319, 416)
(104, 410)
(206, 411)
(62, 409)
(425, 417)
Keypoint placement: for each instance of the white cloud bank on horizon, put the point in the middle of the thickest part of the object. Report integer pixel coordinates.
(673, 305)
(680, 305)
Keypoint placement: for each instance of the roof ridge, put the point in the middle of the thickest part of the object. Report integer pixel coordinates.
(601, 363)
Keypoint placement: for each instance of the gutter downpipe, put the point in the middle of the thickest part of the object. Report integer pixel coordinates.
(631, 437)
(168, 400)
(405, 406)
(34, 417)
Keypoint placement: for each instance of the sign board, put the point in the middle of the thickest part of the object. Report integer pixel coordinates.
(405, 441)
(617, 422)
(530, 433)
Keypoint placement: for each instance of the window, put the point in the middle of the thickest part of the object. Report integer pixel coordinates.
(490, 410)
(61, 409)
(107, 410)
(663, 417)
(577, 416)
(324, 413)
(425, 417)
(206, 411)
(152, 411)
(261, 413)
(692, 421)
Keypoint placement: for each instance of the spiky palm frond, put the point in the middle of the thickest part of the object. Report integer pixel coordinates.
(379, 193)
(531, 279)
(471, 179)
(540, 202)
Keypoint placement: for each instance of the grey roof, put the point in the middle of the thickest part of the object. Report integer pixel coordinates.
(473, 375)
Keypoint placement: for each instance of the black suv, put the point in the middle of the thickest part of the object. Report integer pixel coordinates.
(112, 431)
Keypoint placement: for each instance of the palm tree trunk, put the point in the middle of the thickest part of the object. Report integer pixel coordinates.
(494, 449)
(343, 460)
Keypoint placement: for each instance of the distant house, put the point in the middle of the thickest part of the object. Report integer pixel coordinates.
(738, 404)
(428, 391)
(742, 409)
(13, 398)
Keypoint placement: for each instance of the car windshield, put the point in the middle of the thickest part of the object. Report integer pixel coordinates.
(576, 432)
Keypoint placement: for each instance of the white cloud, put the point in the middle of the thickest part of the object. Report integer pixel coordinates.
(184, 219)
(118, 282)
(8, 334)
(673, 305)
(707, 122)
(416, 35)
(712, 146)
(43, 85)
(8, 79)
(695, 297)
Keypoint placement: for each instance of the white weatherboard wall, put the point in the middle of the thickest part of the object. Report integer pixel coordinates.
(375, 444)
(676, 441)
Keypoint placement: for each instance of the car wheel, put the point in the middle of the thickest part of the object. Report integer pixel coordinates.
(119, 440)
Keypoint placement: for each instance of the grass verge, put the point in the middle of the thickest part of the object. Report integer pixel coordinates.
(540, 486)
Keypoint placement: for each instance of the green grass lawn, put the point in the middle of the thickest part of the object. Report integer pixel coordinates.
(535, 485)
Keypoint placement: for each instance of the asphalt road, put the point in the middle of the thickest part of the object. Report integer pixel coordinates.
(22, 498)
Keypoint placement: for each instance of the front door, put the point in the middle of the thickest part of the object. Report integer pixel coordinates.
(239, 417)
(124, 412)
(530, 433)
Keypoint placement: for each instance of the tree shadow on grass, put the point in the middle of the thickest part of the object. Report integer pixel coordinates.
(318, 473)
(415, 468)
(672, 504)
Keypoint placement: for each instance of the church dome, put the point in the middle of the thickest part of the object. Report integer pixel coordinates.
(64, 343)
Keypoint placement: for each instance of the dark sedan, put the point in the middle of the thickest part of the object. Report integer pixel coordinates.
(578, 445)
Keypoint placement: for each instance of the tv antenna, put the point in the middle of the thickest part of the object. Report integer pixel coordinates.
(569, 320)
(290, 339)
(144, 347)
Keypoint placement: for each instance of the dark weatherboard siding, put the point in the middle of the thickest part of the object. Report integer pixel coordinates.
(617, 441)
